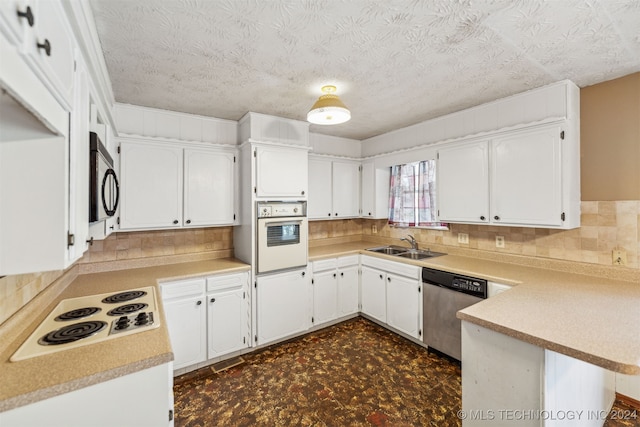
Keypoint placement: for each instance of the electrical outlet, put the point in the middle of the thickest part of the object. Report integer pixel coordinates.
(619, 257)
(463, 238)
(374, 229)
(499, 241)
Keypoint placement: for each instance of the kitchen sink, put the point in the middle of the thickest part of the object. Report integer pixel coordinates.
(420, 254)
(389, 250)
(403, 252)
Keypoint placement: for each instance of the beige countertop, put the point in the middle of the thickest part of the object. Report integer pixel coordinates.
(575, 313)
(41, 377)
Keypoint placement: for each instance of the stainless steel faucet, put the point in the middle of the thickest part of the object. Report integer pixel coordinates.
(411, 240)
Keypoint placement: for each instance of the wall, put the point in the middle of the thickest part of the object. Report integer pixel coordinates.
(610, 139)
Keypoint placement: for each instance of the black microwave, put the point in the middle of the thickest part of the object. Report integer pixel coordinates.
(104, 191)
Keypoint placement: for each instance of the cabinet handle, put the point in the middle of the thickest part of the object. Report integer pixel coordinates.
(381, 276)
(341, 274)
(188, 221)
(336, 214)
(175, 221)
(198, 302)
(212, 300)
(329, 213)
(369, 213)
(388, 279)
(303, 273)
(302, 192)
(497, 218)
(46, 46)
(90, 241)
(482, 218)
(28, 15)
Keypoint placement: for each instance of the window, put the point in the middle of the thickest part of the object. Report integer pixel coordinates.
(412, 196)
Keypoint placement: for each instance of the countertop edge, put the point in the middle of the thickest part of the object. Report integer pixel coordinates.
(618, 367)
(86, 381)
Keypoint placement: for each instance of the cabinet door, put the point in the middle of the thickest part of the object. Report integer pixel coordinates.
(228, 322)
(51, 26)
(282, 305)
(208, 187)
(325, 296)
(346, 189)
(281, 172)
(463, 183)
(404, 303)
(373, 292)
(151, 186)
(319, 203)
(525, 177)
(348, 290)
(187, 323)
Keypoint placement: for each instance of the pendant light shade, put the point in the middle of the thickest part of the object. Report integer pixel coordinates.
(328, 109)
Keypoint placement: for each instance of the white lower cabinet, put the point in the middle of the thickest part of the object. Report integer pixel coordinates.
(186, 316)
(404, 305)
(228, 314)
(282, 305)
(373, 293)
(391, 292)
(207, 325)
(335, 288)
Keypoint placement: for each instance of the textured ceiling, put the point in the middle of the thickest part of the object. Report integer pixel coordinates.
(395, 62)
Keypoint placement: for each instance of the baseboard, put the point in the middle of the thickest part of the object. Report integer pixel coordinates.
(628, 400)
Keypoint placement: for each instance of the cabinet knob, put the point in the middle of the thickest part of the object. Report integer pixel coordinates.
(188, 221)
(175, 221)
(497, 218)
(334, 275)
(341, 274)
(46, 46)
(336, 214)
(212, 300)
(28, 15)
(302, 192)
(369, 213)
(198, 302)
(381, 276)
(388, 279)
(329, 213)
(303, 273)
(482, 218)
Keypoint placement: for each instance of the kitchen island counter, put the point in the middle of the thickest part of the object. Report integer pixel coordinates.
(45, 376)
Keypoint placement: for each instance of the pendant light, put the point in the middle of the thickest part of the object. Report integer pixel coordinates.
(328, 109)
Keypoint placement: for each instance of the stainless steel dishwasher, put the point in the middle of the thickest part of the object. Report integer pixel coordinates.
(444, 295)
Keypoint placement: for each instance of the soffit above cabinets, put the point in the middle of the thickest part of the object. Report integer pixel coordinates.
(395, 62)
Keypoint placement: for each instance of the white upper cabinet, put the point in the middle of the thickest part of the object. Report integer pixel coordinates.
(208, 187)
(374, 191)
(528, 177)
(151, 186)
(526, 170)
(346, 189)
(319, 205)
(463, 182)
(334, 188)
(152, 180)
(281, 172)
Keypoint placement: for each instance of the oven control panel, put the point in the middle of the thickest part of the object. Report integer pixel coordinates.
(281, 209)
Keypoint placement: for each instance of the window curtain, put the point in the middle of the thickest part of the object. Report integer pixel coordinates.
(402, 195)
(427, 214)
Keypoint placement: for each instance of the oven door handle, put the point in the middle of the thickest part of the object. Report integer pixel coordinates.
(279, 223)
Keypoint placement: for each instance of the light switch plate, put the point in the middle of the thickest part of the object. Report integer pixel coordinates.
(499, 241)
(463, 238)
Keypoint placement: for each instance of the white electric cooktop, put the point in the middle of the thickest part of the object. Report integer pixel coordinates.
(76, 322)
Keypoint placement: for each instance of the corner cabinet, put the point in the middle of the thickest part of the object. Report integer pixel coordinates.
(171, 185)
(334, 188)
(528, 177)
(374, 202)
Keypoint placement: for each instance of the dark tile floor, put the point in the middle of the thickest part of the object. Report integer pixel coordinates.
(352, 374)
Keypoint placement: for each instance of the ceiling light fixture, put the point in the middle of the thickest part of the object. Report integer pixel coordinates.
(328, 109)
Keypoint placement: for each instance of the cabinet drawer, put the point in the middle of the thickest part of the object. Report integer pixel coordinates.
(182, 288)
(399, 268)
(349, 260)
(324, 264)
(226, 281)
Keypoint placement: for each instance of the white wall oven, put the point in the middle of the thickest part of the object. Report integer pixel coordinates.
(282, 235)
